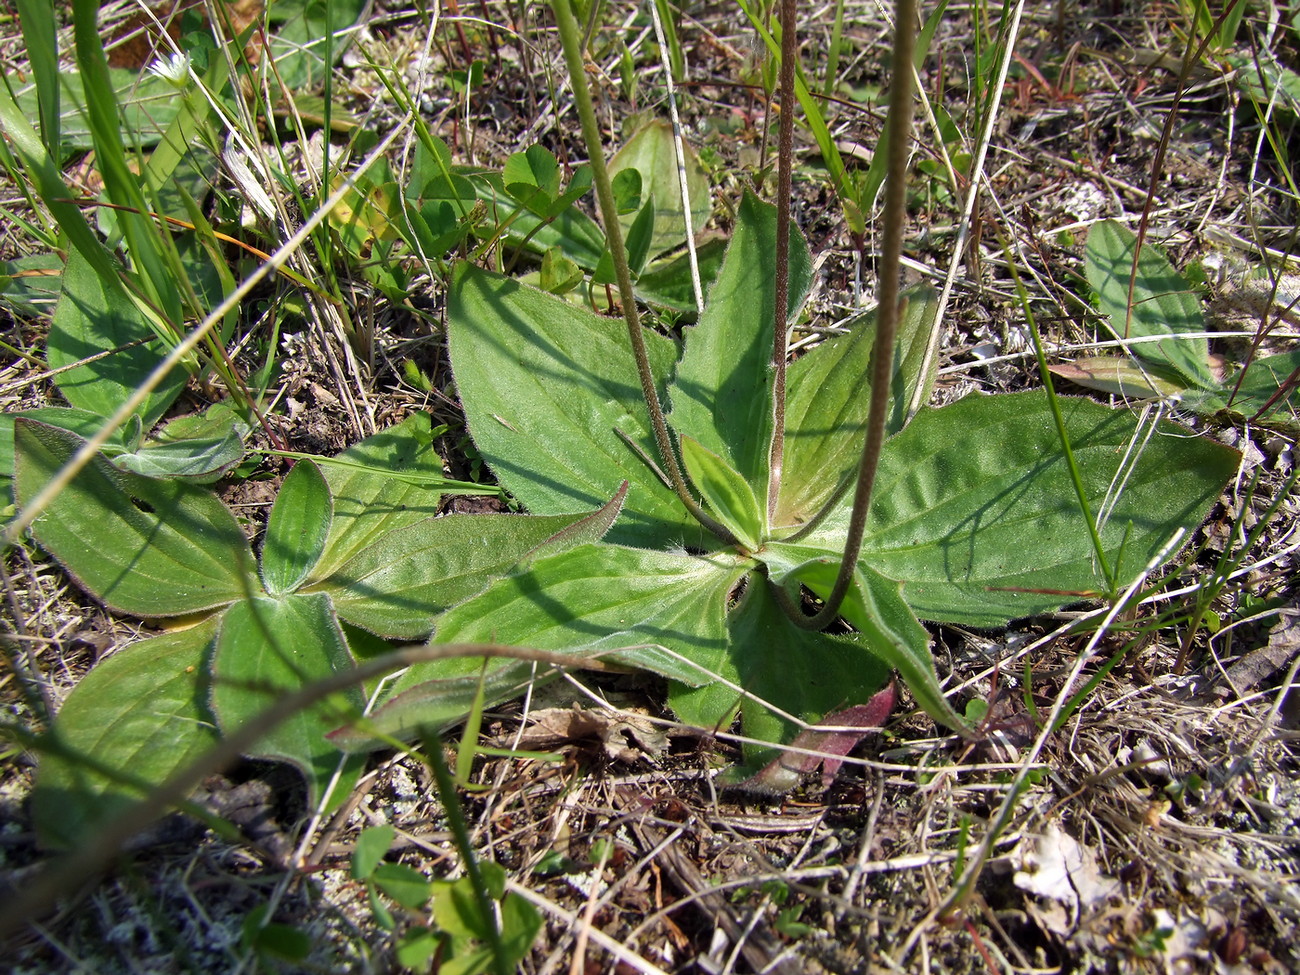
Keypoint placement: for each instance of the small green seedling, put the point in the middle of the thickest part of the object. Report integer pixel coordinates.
(443, 919)
(274, 941)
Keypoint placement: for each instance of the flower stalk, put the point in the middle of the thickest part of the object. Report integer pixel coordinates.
(899, 127)
(571, 42)
(780, 334)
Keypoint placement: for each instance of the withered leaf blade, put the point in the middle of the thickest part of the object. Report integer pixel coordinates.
(624, 738)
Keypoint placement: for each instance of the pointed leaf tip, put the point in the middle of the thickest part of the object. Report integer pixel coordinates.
(297, 529)
(725, 490)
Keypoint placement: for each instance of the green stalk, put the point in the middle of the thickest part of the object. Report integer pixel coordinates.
(571, 42)
(40, 35)
(833, 55)
(465, 847)
(899, 133)
(1076, 476)
(784, 164)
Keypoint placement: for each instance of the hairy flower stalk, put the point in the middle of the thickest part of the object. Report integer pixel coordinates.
(784, 165)
(899, 127)
(569, 39)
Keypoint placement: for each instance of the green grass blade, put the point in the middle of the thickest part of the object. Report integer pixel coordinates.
(41, 40)
(54, 193)
(121, 186)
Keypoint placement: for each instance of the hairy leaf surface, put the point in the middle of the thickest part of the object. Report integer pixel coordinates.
(146, 547)
(974, 510)
(297, 528)
(722, 392)
(591, 599)
(200, 447)
(397, 585)
(373, 496)
(545, 386)
(138, 717)
(651, 152)
(726, 492)
(81, 422)
(830, 396)
(1162, 302)
(95, 315)
(267, 648)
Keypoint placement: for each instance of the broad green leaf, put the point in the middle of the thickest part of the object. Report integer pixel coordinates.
(725, 491)
(722, 392)
(456, 909)
(404, 884)
(396, 586)
(1137, 381)
(1162, 304)
(145, 547)
(372, 499)
(806, 674)
(532, 177)
(200, 447)
(81, 422)
(830, 396)
(587, 601)
(545, 387)
(297, 529)
(876, 608)
(302, 47)
(599, 597)
(371, 847)
(588, 529)
(267, 648)
(521, 923)
(975, 513)
(651, 153)
(667, 283)
(138, 717)
(445, 201)
(472, 960)
(95, 316)
(417, 946)
(1263, 378)
(576, 234)
(147, 105)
